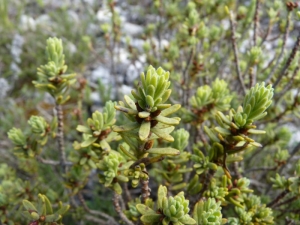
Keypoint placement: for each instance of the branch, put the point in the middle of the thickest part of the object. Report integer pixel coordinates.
(51, 162)
(119, 210)
(236, 58)
(110, 220)
(145, 190)
(289, 61)
(285, 37)
(256, 22)
(60, 137)
(287, 201)
(277, 199)
(261, 168)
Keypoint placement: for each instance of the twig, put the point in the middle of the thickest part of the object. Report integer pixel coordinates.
(285, 37)
(288, 62)
(294, 151)
(277, 199)
(266, 34)
(60, 137)
(236, 170)
(51, 162)
(256, 22)
(119, 210)
(261, 168)
(145, 190)
(94, 219)
(236, 58)
(287, 201)
(110, 220)
(185, 97)
(289, 84)
(207, 181)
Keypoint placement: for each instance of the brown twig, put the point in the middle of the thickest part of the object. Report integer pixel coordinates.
(207, 181)
(236, 58)
(287, 201)
(60, 137)
(288, 62)
(285, 37)
(51, 162)
(256, 22)
(185, 97)
(278, 198)
(261, 168)
(145, 190)
(289, 84)
(119, 210)
(110, 220)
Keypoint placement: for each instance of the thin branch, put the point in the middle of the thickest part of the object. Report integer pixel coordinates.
(285, 37)
(119, 210)
(145, 190)
(60, 137)
(256, 22)
(288, 62)
(207, 181)
(51, 162)
(185, 97)
(94, 219)
(110, 220)
(266, 34)
(277, 199)
(294, 151)
(236, 58)
(261, 168)
(236, 170)
(289, 84)
(287, 201)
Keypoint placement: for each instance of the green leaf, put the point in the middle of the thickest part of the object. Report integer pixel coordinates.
(28, 205)
(52, 218)
(83, 129)
(126, 127)
(145, 210)
(117, 188)
(126, 110)
(144, 130)
(164, 151)
(170, 110)
(88, 142)
(164, 133)
(130, 102)
(144, 114)
(187, 220)
(151, 218)
(166, 120)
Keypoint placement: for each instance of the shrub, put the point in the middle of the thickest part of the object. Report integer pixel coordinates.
(204, 137)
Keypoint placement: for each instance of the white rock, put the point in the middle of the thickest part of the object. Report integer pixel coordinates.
(16, 47)
(132, 29)
(133, 72)
(104, 15)
(95, 97)
(4, 88)
(43, 20)
(125, 89)
(103, 74)
(27, 23)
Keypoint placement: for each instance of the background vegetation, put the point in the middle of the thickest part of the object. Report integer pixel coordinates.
(237, 163)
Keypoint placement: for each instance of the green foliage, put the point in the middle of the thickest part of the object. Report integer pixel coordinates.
(172, 210)
(208, 212)
(43, 213)
(214, 128)
(52, 77)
